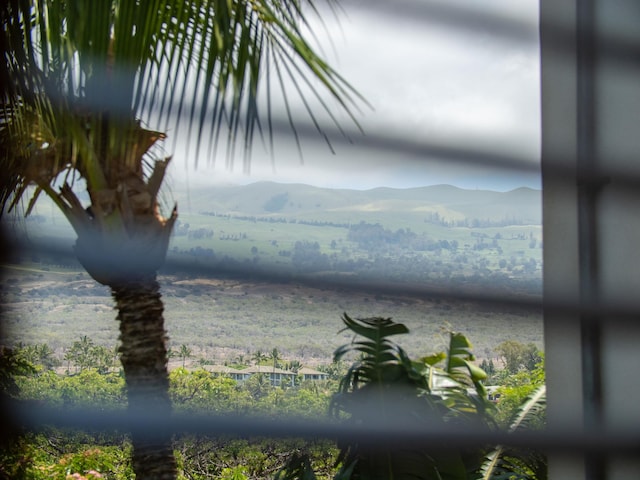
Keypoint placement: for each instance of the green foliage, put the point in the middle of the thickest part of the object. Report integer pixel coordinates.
(259, 357)
(88, 388)
(84, 354)
(385, 382)
(92, 463)
(38, 354)
(46, 455)
(307, 256)
(12, 365)
(517, 355)
(275, 357)
(221, 457)
(510, 463)
(382, 380)
(514, 391)
(66, 455)
(298, 467)
(233, 473)
(200, 391)
(258, 386)
(489, 368)
(184, 353)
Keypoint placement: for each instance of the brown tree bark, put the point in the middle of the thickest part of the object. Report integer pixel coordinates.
(143, 353)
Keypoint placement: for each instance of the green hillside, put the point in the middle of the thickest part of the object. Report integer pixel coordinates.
(521, 206)
(284, 261)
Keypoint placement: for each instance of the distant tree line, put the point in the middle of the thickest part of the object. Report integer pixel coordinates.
(184, 230)
(307, 256)
(370, 236)
(271, 219)
(436, 219)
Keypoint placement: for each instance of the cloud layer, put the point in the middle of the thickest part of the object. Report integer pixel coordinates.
(441, 71)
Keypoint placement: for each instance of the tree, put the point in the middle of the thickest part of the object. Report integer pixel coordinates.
(443, 389)
(531, 357)
(84, 354)
(275, 357)
(258, 357)
(184, 353)
(258, 385)
(81, 353)
(79, 81)
(294, 366)
(516, 355)
(514, 390)
(40, 354)
(11, 365)
(103, 359)
(240, 359)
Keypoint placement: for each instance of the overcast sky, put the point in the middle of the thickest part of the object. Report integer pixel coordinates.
(439, 75)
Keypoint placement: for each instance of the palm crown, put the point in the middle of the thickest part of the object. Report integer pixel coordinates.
(82, 78)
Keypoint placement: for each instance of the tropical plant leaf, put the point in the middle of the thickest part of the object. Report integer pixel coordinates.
(510, 463)
(531, 409)
(385, 383)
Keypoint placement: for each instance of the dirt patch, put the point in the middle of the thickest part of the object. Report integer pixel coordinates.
(201, 281)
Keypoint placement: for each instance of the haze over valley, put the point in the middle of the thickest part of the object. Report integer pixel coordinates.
(275, 265)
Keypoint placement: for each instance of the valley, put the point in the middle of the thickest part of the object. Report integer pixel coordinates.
(268, 266)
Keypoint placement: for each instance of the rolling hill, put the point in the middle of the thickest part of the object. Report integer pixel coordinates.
(522, 205)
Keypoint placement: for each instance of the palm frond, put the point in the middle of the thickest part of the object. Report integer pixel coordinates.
(234, 46)
(379, 357)
(383, 383)
(509, 463)
(99, 70)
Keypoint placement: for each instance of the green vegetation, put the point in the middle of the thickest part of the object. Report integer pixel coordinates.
(445, 387)
(79, 83)
(520, 463)
(438, 237)
(433, 239)
(221, 318)
(416, 394)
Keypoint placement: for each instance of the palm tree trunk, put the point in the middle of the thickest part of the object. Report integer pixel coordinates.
(143, 354)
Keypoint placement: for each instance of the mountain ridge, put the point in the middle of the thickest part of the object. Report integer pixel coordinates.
(298, 200)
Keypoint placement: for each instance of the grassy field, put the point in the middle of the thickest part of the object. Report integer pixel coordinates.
(220, 319)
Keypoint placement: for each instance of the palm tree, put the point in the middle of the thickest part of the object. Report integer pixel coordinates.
(80, 81)
(275, 356)
(82, 353)
(294, 366)
(184, 353)
(45, 357)
(258, 357)
(240, 359)
(115, 353)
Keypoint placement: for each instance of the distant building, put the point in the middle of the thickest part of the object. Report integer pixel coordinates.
(276, 376)
(311, 374)
(220, 370)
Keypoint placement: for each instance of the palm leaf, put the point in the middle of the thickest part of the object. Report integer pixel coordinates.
(385, 383)
(507, 463)
(98, 69)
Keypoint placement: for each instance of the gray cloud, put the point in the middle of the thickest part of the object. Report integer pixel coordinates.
(434, 79)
